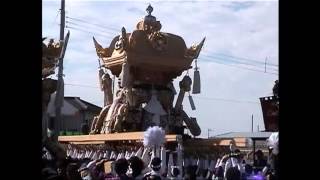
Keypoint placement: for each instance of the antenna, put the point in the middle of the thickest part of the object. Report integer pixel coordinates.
(265, 65)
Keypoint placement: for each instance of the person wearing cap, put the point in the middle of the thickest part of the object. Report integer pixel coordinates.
(155, 172)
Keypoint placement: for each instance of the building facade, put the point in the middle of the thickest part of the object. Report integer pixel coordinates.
(76, 114)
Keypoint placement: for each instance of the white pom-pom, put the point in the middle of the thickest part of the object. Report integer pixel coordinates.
(170, 163)
(154, 136)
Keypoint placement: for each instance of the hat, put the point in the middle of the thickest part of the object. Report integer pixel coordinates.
(156, 163)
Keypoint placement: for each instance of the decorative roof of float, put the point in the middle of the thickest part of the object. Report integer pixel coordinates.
(148, 51)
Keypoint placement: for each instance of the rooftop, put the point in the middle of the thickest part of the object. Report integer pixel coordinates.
(255, 135)
(82, 104)
(72, 105)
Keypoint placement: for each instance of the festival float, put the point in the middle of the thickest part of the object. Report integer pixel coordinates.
(140, 117)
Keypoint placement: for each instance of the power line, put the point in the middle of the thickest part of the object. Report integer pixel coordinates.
(262, 65)
(87, 27)
(239, 62)
(235, 57)
(263, 69)
(241, 67)
(82, 85)
(93, 33)
(98, 25)
(211, 60)
(228, 100)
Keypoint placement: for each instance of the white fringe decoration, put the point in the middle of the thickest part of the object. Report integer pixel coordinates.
(139, 152)
(180, 159)
(170, 164)
(146, 156)
(163, 160)
(132, 154)
(127, 156)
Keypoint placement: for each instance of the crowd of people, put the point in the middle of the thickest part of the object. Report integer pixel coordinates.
(232, 166)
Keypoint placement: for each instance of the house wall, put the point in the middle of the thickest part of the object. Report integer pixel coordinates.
(89, 116)
(67, 108)
(74, 123)
(72, 117)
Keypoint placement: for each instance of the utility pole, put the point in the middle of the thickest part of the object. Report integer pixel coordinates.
(209, 132)
(60, 85)
(252, 123)
(62, 20)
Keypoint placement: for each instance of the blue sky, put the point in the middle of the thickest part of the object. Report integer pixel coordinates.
(241, 29)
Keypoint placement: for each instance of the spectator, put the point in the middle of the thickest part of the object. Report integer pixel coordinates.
(248, 170)
(260, 161)
(233, 173)
(84, 172)
(72, 172)
(121, 167)
(191, 172)
(218, 173)
(136, 166)
(155, 172)
(175, 172)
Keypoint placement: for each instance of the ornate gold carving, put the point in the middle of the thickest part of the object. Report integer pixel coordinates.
(194, 51)
(101, 52)
(158, 41)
